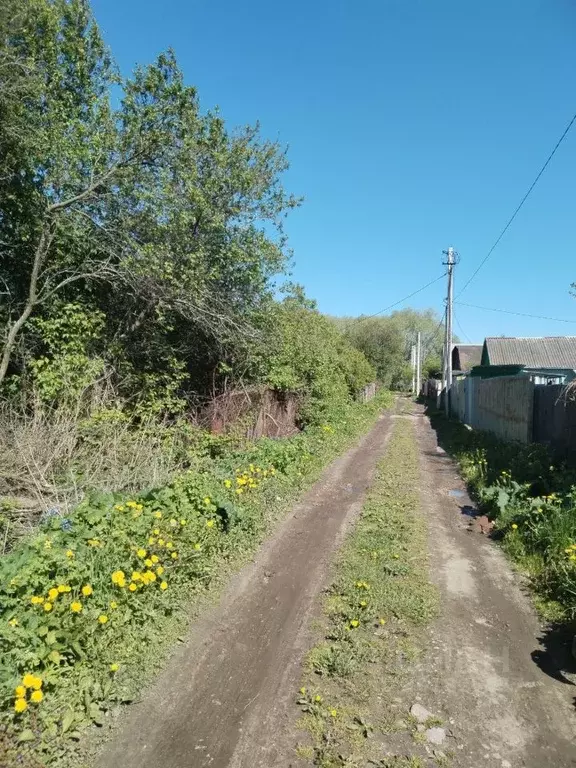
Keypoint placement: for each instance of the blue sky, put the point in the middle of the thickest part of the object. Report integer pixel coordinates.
(412, 125)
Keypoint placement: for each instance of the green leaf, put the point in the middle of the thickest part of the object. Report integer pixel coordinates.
(27, 735)
(67, 720)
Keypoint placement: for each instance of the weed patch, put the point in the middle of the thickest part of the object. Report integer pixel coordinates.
(378, 598)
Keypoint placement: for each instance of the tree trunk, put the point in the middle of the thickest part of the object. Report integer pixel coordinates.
(17, 325)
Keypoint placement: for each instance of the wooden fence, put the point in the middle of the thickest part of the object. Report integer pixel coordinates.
(514, 408)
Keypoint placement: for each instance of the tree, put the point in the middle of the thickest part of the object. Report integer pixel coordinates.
(386, 342)
(152, 213)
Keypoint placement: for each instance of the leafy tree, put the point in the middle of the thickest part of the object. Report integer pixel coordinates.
(386, 342)
(151, 213)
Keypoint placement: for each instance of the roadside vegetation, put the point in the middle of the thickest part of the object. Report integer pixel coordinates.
(379, 597)
(92, 602)
(531, 497)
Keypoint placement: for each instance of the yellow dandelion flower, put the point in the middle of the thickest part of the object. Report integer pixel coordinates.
(150, 576)
(183, 521)
(197, 546)
(163, 585)
(132, 587)
(69, 553)
(209, 523)
(36, 600)
(20, 705)
(160, 570)
(114, 667)
(173, 523)
(303, 691)
(155, 559)
(148, 563)
(228, 483)
(87, 590)
(151, 540)
(53, 593)
(239, 491)
(47, 607)
(37, 697)
(174, 555)
(20, 691)
(103, 618)
(333, 713)
(76, 606)
(47, 544)
(572, 557)
(136, 576)
(63, 588)
(156, 531)
(141, 553)
(119, 507)
(113, 605)
(318, 699)
(169, 545)
(161, 542)
(514, 526)
(13, 622)
(158, 515)
(568, 550)
(207, 500)
(382, 621)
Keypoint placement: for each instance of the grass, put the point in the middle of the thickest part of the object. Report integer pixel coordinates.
(378, 599)
(531, 497)
(211, 517)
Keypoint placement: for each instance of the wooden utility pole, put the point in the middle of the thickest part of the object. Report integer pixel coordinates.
(418, 364)
(413, 365)
(447, 367)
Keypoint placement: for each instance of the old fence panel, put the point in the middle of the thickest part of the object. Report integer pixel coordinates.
(504, 406)
(555, 418)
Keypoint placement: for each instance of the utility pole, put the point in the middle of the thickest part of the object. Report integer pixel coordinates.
(447, 369)
(418, 363)
(413, 365)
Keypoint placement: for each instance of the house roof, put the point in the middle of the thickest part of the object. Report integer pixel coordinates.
(545, 352)
(466, 356)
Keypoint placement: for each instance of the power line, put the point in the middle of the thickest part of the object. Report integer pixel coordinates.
(433, 335)
(520, 314)
(391, 306)
(511, 219)
(462, 331)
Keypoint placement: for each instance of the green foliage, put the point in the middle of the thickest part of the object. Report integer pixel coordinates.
(64, 367)
(386, 342)
(308, 354)
(532, 500)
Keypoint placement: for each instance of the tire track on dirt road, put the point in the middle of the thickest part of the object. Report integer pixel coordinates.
(226, 696)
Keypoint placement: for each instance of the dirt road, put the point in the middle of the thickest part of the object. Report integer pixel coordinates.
(483, 670)
(226, 699)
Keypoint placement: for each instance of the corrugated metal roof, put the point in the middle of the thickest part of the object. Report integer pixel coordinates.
(544, 352)
(466, 356)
